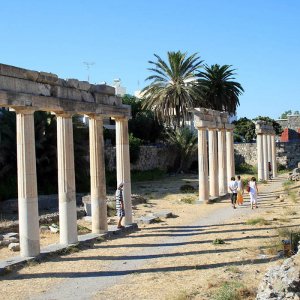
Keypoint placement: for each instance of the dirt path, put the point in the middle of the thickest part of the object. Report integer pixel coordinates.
(166, 260)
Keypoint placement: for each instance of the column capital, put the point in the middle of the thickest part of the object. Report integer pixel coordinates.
(95, 116)
(23, 110)
(63, 114)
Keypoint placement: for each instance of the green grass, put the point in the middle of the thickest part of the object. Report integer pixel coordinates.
(258, 221)
(218, 242)
(229, 291)
(188, 200)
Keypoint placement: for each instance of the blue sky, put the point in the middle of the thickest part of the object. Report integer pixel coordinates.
(261, 39)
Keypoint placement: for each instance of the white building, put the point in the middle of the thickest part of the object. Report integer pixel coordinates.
(120, 90)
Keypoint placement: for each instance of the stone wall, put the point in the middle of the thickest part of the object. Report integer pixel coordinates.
(287, 154)
(150, 157)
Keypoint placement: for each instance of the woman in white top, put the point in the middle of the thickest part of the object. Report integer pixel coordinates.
(253, 192)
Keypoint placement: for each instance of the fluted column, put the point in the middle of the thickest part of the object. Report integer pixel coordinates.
(123, 165)
(230, 154)
(202, 161)
(269, 142)
(260, 157)
(66, 180)
(274, 161)
(27, 184)
(222, 162)
(265, 153)
(97, 171)
(213, 163)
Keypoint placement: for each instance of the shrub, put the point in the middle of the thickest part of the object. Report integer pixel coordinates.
(188, 200)
(187, 188)
(218, 242)
(245, 168)
(134, 148)
(258, 221)
(229, 291)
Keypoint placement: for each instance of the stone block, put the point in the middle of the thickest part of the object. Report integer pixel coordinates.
(65, 93)
(84, 85)
(14, 247)
(12, 71)
(49, 78)
(13, 240)
(72, 83)
(9, 235)
(87, 97)
(102, 89)
(44, 228)
(1, 237)
(163, 214)
(147, 220)
(4, 243)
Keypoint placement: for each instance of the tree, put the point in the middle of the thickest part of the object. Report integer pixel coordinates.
(285, 114)
(185, 142)
(143, 124)
(173, 90)
(218, 90)
(244, 130)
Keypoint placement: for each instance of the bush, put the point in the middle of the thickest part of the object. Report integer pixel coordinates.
(218, 242)
(245, 168)
(258, 221)
(187, 188)
(147, 175)
(134, 148)
(229, 291)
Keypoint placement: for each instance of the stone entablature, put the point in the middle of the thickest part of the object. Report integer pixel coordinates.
(45, 91)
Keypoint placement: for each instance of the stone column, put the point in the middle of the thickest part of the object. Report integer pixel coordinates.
(274, 161)
(260, 156)
(265, 153)
(222, 162)
(269, 142)
(123, 165)
(213, 163)
(27, 185)
(97, 171)
(202, 162)
(66, 180)
(229, 154)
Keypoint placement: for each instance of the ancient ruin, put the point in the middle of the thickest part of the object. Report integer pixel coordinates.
(220, 152)
(266, 149)
(25, 91)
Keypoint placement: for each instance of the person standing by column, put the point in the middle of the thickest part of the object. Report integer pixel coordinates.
(233, 187)
(120, 205)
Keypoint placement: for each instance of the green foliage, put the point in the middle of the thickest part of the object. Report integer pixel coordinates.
(233, 290)
(143, 124)
(188, 200)
(218, 90)
(258, 221)
(245, 129)
(173, 90)
(148, 175)
(218, 242)
(185, 143)
(134, 148)
(187, 188)
(245, 168)
(288, 113)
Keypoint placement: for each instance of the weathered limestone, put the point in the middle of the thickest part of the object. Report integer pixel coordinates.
(218, 151)
(123, 165)
(222, 162)
(266, 151)
(274, 162)
(203, 168)
(66, 180)
(213, 163)
(97, 171)
(260, 157)
(27, 91)
(229, 154)
(27, 184)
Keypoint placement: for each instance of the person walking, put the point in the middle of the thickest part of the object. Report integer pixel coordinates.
(253, 191)
(240, 190)
(233, 187)
(120, 204)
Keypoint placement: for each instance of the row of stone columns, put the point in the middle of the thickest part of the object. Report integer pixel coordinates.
(220, 156)
(266, 149)
(27, 181)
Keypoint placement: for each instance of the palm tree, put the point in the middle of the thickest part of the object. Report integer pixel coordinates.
(185, 142)
(173, 90)
(218, 89)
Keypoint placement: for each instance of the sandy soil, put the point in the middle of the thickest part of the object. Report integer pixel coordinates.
(196, 269)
